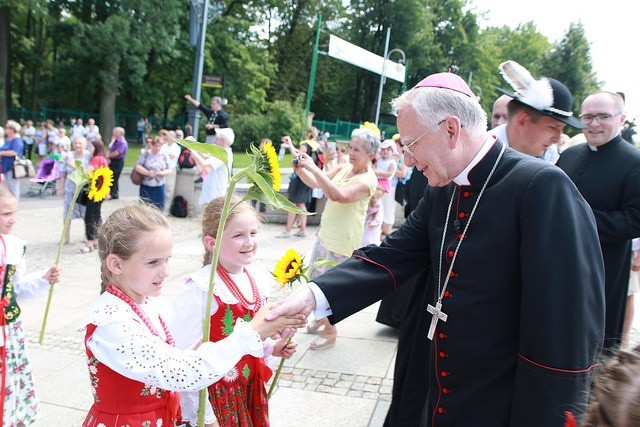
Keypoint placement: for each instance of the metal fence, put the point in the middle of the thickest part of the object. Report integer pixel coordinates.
(341, 130)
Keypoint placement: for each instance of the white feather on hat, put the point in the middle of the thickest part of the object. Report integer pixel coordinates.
(536, 93)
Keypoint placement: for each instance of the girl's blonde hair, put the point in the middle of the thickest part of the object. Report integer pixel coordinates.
(211, 219)
(616, 393)
(122, 230)
(5, 192)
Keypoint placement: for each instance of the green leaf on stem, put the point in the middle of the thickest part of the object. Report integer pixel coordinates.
(263, 192)
(208, 149)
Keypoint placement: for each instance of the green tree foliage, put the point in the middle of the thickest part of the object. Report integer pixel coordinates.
(524, 44)
(134, 56)
(570, 62)
(280, 118)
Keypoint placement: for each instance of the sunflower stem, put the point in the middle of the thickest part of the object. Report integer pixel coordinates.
(206, 323)
(276, 376)
(67, 221)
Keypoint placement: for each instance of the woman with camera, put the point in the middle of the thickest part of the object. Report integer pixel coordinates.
(348, 190)
(299, 192)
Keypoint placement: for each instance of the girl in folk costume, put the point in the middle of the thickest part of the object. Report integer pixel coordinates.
(240, 397)
(18, 403)
(134, 367)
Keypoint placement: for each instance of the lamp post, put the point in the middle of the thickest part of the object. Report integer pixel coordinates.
(201, 12)
(387, 54)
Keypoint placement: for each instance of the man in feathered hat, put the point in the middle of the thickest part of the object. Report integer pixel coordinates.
(538, 112)
(515, 296)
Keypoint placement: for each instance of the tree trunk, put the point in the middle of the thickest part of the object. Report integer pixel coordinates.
(5, 63)
(108, 102)
(35, 76)
(23, 70)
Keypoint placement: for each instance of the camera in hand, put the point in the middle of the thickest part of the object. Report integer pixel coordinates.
(296, 160)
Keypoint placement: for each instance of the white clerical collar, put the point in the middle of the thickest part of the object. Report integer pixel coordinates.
(463, 177)
(597, 147)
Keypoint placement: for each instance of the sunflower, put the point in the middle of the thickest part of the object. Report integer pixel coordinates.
(269, 153)
(101, 180)
(289, 268)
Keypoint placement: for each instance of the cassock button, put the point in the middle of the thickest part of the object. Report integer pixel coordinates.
(443, 355)
(459, 235)
(466, 194)
(447, 294)
(450, 254)
(446, 391)
(441, 410)
(444, 374)
(462, 215)
(442, 335)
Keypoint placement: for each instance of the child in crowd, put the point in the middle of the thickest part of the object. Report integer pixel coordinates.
(239, 398)
(133, 365)
(373, 220)
(18, 402)
(385, 165)
(92, 213)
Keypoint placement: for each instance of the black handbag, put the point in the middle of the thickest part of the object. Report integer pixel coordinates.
(83, 196)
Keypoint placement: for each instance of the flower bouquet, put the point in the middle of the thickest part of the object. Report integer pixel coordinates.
(99, 182)
(264, 175)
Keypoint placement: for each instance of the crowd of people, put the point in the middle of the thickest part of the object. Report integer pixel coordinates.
(504, 228)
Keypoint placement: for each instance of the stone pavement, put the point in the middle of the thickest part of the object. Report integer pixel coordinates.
(347, 385)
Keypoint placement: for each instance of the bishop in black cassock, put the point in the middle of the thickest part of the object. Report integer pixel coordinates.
(517, 280)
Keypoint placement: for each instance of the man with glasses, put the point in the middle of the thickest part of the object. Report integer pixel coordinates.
(516, 291)
(606, 171)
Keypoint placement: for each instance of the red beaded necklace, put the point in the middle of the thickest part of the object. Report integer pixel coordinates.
(233, 288)
(141, 314)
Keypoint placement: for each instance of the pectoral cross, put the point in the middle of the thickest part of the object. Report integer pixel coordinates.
(436, 314)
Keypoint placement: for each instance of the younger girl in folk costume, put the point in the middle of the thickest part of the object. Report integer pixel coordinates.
(133, 365)
(18, 403)
(240, 397)
(373, 220)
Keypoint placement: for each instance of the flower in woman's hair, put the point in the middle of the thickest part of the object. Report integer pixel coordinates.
(271, 162)
(101, 181)
(371, 126)
(289, 268)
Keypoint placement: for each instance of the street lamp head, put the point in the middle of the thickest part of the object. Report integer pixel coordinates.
(401, 52)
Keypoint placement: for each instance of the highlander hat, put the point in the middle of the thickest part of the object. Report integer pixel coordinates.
(545, 95)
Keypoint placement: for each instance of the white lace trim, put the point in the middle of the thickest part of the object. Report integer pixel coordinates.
(108, 309)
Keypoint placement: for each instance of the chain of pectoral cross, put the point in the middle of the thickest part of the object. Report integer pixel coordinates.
(436, 311)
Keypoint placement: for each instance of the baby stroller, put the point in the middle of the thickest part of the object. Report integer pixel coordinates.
(44, 183)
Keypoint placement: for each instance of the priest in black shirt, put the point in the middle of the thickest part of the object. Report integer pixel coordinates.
(517, 287)
(606, 170)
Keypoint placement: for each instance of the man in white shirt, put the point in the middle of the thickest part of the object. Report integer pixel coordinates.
(78, 129)
(92, 130)
(28, 138)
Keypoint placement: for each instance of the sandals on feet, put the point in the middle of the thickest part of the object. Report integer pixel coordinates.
(313, 326)
(88, 247)
(322, 343)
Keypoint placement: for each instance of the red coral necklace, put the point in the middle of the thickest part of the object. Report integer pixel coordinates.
(253, 305)
(141, 314)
